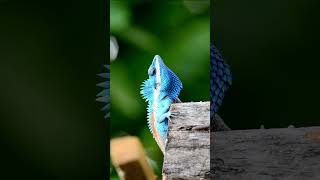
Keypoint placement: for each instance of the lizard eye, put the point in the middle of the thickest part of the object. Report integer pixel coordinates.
(152, 72)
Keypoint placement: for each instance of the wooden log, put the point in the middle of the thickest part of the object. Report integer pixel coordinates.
(266, 154)
(187, 154)
(129, 159)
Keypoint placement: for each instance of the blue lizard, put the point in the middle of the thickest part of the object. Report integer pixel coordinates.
(220, 79)
(160, 90)
(104, 95)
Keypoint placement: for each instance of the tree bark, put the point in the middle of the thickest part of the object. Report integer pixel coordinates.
(266, 154)
(187, 154)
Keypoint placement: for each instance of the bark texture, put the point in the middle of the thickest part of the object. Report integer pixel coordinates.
(187, 154)
(266, 154)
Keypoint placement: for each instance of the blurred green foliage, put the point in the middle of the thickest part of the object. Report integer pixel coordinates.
(179, 31)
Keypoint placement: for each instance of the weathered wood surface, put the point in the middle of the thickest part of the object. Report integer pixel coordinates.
(187, 154)
(129, 159)
(266, 154)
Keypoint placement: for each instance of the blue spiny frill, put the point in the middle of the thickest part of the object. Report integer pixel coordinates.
(220, 79)
(104, 95)
(147, 90)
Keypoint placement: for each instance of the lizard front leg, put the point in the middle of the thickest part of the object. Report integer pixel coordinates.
(163, 112)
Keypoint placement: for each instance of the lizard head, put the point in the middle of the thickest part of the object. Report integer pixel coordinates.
(162, 79)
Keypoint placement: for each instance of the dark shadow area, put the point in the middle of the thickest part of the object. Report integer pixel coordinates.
(273, 50)
(50, 55)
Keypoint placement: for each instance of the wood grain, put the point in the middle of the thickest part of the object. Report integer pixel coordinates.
(266, 154)
(187, 154)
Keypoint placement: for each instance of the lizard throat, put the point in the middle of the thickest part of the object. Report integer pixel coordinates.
(156, 92)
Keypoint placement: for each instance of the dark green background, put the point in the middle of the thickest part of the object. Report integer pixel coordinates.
(50, 124)
(273, 49)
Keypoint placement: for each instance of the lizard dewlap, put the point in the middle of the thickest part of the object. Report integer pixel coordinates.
(160, 90)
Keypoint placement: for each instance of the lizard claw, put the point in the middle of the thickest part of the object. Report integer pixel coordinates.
(165, 116)
(173, 115)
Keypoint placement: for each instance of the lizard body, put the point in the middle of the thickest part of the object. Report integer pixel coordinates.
(220, 81)
(160, 90)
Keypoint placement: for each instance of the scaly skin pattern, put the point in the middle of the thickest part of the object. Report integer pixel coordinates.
(160, 90)
(104, 95)
(220, 79)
